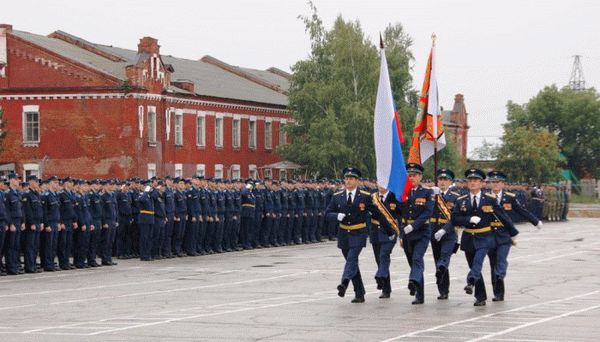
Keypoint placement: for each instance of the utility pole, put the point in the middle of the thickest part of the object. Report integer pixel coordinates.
(577, 82)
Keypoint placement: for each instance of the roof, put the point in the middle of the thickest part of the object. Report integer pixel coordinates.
(208, 79)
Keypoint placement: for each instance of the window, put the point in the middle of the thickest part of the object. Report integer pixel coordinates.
(200, 140)
(200, 170)
(218, 131)
(152, 125)
(252, 133)
(31, 124)
(236, 132)
(151, 170)
(31, 170)
(268, 174)
(282, 133)
(141, 121)
(219, 170)
(179, 128)
(268, 135)
(282, 174)
(235, 171)
(252, 171)
(178, 170)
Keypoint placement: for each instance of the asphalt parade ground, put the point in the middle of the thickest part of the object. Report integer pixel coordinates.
(289, 294)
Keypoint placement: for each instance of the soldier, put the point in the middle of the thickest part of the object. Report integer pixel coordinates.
(504, 238)
(259, 213)
(351, 208)
(476, 212)
(416, 231)
(537, 202)
(285, 215)
(49, 238)
(4, 222)
(180, 217)
(84, 220)
(34, 215)
(443, 242)
(194, 237)
(248, 214)
(109, 223)
(145, 221)
(219, 216)
(125, 206)
(269, 213)
(383, 243)
(160, 218)
(277, 213)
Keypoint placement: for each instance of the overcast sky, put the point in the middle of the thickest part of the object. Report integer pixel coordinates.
(490, 51)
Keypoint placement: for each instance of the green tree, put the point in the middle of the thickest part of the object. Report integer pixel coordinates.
(332, 95)
(573, 116)
(528, 159)
(487, 151)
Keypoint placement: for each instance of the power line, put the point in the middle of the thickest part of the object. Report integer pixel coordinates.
(577, 81)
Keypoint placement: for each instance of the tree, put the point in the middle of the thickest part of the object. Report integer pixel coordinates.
(573, 116)
(332, 95)
(487, 151)
(529, 155)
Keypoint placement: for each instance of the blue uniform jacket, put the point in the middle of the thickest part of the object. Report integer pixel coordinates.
(33, 207)
(417, 211)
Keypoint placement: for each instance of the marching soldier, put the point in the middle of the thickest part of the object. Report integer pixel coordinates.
(443, 242)
(350, 208)
(504, 238)
(476, 211)
(416, 231)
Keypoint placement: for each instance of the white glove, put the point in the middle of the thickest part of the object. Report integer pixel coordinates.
(436, 190)
(539, 225)
(475, 219)
(147, 188)
(438, 235)
(408, 229)
(341, 216)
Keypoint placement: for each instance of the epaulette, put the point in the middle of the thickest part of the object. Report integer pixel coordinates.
(511, 194)
(490, 195)
(365, 192)
(463, 196)
(339, 192)
(455, 193)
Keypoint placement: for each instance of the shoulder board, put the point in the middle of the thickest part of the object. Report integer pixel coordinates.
(463, 196)
(511, 194)
(490, 195)
(365, 192)
(339, 192)
(455, 193)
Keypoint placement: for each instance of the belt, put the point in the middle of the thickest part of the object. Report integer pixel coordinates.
(146, 212)
(353, 226)
(478, 230)
(248, 205)
(413, 221)
(538, 199)
(497, 224)
(440, 220)
(375, 222)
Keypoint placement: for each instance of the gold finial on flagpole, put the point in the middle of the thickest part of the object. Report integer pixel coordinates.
(433, 38)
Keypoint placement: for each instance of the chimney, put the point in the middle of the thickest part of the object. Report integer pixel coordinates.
(149, 45)
(184, 84)
(4, 29)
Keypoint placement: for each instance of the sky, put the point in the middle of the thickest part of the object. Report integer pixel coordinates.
(490, 51)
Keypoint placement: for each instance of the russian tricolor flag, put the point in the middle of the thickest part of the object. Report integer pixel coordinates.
(391, 170)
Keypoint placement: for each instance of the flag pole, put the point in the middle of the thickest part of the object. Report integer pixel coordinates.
(435, 126)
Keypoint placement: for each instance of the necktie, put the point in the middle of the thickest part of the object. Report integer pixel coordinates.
(349, 198)
(381, 197)
(475, 202)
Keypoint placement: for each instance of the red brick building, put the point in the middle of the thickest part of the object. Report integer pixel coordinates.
(455, 121)
(72, 107)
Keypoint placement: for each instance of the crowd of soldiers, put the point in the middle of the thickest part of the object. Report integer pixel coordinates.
(74, 223)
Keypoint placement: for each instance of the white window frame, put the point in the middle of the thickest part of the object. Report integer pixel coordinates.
(31, 169)
(219, 130)
(282, 133)
(252, 171)
(252, 133)
(179, 127)
(236, 135)
(218, 170)
(268, 134)
(141, 121)
(152, 125)
(200, 170)
(283, 174)
(268, 173)
(178, 170)
(151, 170)
(201, 132)
(29, 109)
(235, 171)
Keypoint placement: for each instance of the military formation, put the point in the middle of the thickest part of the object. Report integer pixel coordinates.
(476, 215)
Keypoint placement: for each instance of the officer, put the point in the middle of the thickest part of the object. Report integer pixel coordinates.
(166, 249)
(180, 217)
(383, 244)
(476, 212)
(237, 212)
(96, 211)
(277, 213)
(84, 220)
(504, 238)
(285, 214)
(124, 202)
(212, 225)
(537, 202)
(34, 215)
(416, 229)
(160, 218)
(4, 222)
(248, 214)
(14, 208)
(145, 221)
(350, 208)
(109, 223)
(269, 213)
(219, 196)
(443, 242)
(49, 238)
